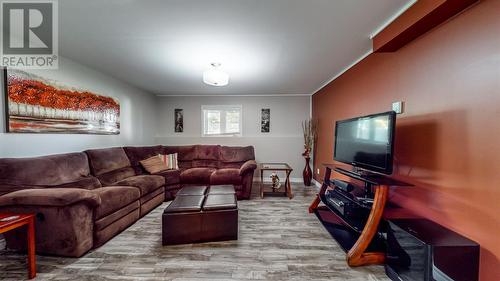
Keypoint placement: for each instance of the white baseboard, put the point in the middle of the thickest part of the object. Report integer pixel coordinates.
(316, 183)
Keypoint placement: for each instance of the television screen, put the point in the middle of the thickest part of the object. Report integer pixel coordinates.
(366, 142)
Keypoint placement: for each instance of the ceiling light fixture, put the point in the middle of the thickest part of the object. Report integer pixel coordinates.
(215, 77)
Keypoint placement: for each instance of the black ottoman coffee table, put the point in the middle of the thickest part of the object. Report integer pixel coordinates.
(198, 214)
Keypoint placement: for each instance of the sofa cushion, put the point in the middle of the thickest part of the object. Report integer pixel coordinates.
(197, 175)
(171, 176)
(88, 183)
(61, 170)
(146, 183)
(205, 163)
(109, 165)
(233, 154)
(170, 160)
(185, 154)
(116, 215)
(106, 160)
(50, 197)
(139, 153)
(114, 198)
(234, 157)
(248, 167)
(153, 165)
(206, 156)
(207, 152)
(226, 176)
(110, 178)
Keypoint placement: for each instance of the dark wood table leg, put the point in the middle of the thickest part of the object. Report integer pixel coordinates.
(261, 183)
(288, 185)
(31, 249)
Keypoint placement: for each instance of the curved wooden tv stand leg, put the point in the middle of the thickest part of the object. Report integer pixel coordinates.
(317, 200)
(357, 255)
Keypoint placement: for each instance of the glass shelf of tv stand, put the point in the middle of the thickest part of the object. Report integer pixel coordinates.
(358, 196)
(356, 224)
(343, 233)
(370, 178)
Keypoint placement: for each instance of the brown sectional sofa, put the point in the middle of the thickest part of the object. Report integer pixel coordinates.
(84, 199)
(202, 165)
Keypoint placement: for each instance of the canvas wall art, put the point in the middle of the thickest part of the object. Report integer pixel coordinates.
(265, 123)
(38, 105)
(179, 120)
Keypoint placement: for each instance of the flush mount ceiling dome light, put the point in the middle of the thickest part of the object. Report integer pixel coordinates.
(215, 77)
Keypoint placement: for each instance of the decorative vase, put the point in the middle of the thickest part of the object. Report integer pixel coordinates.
(307, 173)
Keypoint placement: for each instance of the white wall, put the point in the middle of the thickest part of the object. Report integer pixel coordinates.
(147, 119)
(137, 116)
(283, 144)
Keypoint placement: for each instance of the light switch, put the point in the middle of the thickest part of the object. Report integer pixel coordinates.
(397, 107)
(317, 171)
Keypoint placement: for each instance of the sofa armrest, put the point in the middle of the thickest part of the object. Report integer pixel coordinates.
(50, 197)
(250, 165)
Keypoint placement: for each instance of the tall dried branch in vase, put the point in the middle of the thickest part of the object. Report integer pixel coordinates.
(310, 134)
(309, 129)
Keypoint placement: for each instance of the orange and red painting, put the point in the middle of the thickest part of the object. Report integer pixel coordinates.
(38, 105)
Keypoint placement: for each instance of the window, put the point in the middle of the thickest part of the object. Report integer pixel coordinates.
(221, 120)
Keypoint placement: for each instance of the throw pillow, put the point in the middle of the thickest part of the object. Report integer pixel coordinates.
(153, 165)
(170, 160)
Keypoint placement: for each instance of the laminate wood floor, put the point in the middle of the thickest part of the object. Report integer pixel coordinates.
(278, 240)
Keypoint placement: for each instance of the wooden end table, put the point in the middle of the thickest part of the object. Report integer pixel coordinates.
(20, 221)
(276, 167)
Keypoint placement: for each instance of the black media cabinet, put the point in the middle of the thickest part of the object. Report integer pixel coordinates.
(419, 249)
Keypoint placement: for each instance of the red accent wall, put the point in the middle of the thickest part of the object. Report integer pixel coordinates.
(448, 139)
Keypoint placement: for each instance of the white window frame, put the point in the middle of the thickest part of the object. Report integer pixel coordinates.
(222, 108)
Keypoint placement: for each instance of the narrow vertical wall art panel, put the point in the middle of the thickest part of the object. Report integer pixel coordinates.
(179, 120)
(265, 123)
(37, 105)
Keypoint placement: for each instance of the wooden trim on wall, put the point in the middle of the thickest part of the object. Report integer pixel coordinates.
(417, 20)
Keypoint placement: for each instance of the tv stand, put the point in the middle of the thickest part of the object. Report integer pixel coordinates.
(361, 240)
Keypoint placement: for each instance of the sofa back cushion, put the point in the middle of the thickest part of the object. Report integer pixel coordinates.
(235, 156)
(185, 155)
(110, 165)
(195, 156)
(139, 153)
(206, 156)
(61, 170)
(211, 156)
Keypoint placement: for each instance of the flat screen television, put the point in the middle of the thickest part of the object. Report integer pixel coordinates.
(366, 142)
